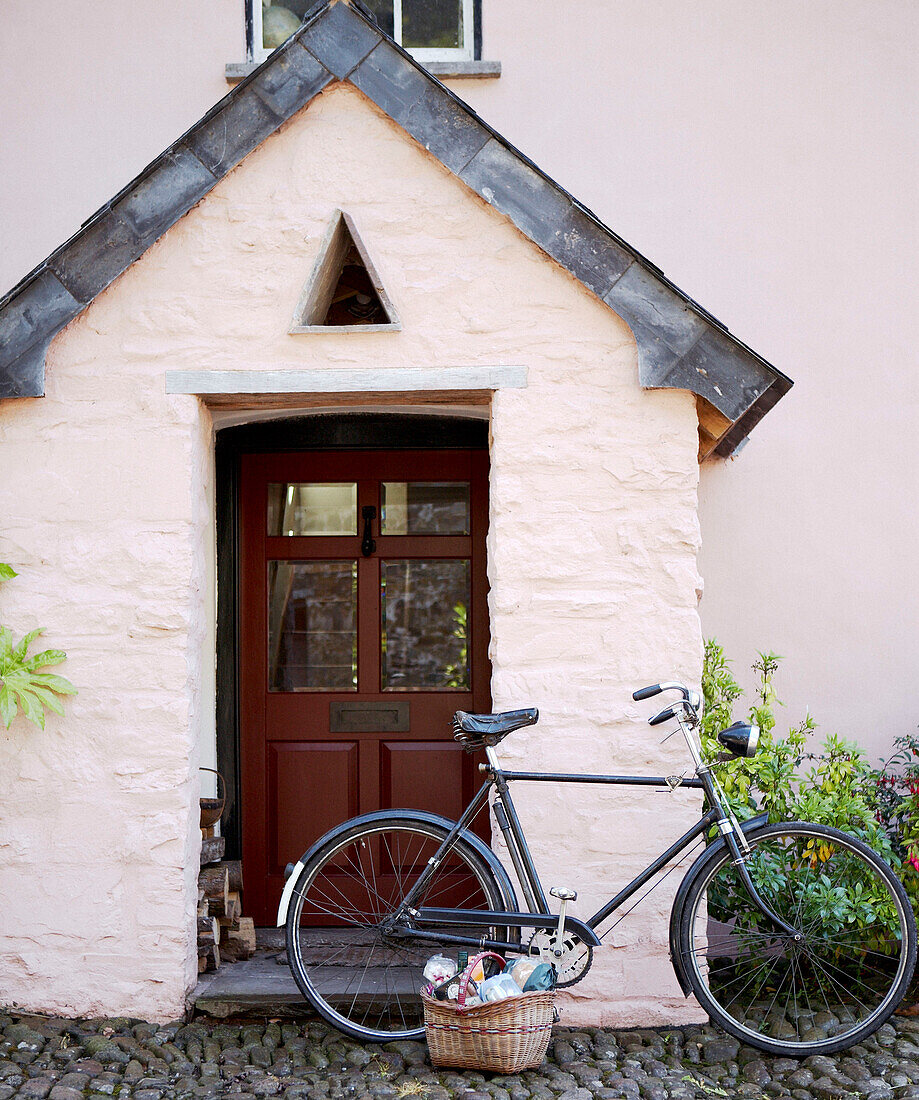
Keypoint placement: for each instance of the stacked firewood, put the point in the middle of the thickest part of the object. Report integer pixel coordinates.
(224, 934)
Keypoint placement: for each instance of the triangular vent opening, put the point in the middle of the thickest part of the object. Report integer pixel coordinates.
(344, 293)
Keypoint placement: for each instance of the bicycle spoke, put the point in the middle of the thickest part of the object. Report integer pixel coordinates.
(793, 963)
(770, 989)
(351, 912)
(826, 966)
(367, 983)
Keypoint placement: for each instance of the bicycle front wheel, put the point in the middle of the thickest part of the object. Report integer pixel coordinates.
(359, 978)
(845, 976)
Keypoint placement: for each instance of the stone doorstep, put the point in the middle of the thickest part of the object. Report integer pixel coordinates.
(263, 985)
(258, 986)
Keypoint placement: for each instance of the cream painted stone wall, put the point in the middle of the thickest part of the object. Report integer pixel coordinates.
(592, 548)
(106, 513)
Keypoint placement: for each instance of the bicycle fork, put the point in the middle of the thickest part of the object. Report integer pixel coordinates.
(732, 834)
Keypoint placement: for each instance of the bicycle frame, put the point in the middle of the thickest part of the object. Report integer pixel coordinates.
(539, 915)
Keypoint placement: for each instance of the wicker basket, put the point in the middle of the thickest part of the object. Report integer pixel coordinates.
(212, 808)
(501, 1036)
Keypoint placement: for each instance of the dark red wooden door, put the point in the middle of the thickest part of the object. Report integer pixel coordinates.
(354, 658)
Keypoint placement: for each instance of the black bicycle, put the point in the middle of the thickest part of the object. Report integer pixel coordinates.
(796, 938)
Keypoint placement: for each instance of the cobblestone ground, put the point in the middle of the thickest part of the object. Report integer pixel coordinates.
(58, 1059)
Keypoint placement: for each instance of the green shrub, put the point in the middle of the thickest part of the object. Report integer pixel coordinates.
(897, 804)
(833, 786)
(23, 686)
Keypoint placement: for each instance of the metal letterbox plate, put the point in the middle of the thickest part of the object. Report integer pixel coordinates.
(375, 717)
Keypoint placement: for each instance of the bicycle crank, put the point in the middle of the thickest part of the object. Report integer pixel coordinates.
(575, 958)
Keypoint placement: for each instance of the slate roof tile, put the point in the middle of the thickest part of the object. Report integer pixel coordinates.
(680, 345)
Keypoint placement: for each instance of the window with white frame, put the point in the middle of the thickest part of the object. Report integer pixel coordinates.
(431, 30)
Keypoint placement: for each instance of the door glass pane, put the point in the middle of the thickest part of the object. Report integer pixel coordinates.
(424, 612)
(432, 24)
(312, 626)
(310, 508)
(425, 508)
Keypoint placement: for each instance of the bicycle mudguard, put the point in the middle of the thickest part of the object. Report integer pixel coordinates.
(422, 816)
(676, 913)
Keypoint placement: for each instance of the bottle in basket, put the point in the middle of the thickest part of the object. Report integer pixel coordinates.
(499, 987)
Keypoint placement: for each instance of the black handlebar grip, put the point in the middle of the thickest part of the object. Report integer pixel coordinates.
(665, 715)
(646, 693)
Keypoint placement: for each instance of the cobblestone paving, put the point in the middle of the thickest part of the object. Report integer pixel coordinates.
(56, 1059)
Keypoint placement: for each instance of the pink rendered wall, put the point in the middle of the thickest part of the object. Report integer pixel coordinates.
(764, 155)
(91, 92)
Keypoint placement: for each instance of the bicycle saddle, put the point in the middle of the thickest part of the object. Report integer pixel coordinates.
(475, 731)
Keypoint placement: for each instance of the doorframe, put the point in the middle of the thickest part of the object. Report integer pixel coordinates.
(318, 432)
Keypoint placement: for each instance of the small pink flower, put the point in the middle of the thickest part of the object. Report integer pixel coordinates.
(915, 862)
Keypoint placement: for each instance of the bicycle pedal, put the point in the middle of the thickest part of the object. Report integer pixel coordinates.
(563, 893)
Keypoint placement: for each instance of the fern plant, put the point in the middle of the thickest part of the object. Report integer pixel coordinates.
(23, 686)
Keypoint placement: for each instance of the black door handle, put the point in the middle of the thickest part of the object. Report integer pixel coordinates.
(368, 543)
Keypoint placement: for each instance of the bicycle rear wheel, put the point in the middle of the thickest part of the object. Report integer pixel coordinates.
(360, 979)
(825, 993)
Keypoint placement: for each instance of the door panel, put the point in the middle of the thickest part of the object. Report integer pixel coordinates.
(441, 763)
(295, 770)
(359, 638)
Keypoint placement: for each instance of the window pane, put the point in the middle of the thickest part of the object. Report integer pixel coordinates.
(382, 10)
(425, 508)
(432, 24)
(312, 509)
(424, 607)
(312, 625)
(279, 21)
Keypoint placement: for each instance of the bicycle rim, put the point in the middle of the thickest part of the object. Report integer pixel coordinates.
(835, 987)
(360, 980)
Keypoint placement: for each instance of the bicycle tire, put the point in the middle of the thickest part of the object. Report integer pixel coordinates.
(358, 980)
(826, 993)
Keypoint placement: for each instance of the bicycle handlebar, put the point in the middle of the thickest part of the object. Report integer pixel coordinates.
(656, 689)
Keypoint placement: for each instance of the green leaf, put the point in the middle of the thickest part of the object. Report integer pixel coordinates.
(46, 696)
(20, 651)
(31, 707)
(8, 706)
(6, 642)
(47, 657)
(7, 572)
(17, 677)
(56, 683)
